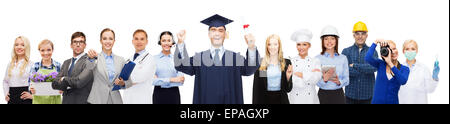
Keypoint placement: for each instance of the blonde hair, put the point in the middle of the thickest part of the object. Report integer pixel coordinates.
(14, 57)
(391, 42)
(265, 61)
(44, 42)
(409, 42)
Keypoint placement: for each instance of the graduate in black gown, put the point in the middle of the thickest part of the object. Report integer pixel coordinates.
(218, 72)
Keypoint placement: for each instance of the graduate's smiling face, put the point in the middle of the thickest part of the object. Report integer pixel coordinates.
(217, 35)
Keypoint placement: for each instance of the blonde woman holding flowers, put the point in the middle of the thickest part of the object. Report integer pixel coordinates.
(48, 69)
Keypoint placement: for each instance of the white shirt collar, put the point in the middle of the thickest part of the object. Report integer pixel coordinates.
(79, 56)
(162, 55)
(213, 51)
(141, 52)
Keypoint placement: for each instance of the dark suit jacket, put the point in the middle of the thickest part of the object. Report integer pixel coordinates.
(80, 81)
(260, 86)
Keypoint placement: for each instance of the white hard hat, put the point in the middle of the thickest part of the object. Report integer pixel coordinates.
(329, 30)
(302, 35)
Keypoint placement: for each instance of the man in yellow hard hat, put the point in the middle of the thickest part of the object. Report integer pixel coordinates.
(362, 78)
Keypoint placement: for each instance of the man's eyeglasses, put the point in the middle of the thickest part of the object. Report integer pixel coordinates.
(78, 42)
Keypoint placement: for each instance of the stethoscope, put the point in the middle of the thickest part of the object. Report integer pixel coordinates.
(140, 62)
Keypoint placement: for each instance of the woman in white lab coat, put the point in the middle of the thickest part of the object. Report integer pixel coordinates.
(306, 71)
(420, 81)
(142, 90)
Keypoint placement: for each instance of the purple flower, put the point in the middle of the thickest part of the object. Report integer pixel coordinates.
(38, 77)
(54, 73)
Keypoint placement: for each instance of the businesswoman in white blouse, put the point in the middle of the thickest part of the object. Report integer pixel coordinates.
(15, 82)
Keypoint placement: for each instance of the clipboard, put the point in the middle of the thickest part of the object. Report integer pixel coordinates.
(125, 73)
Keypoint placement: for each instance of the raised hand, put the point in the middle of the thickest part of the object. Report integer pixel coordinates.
(378, 41)
(181, 36)
(436, 70)
(250, 40)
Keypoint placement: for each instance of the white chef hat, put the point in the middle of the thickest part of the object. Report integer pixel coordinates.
(302, 35)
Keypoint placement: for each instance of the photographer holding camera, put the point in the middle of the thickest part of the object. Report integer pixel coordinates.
(391, 74)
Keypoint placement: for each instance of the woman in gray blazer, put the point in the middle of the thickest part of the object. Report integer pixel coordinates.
(106, 72)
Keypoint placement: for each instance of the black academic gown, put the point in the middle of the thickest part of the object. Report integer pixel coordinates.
(216, 84)
(260, 93)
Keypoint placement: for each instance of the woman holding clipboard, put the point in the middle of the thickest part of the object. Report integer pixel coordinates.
(335, 74)
(106, 72)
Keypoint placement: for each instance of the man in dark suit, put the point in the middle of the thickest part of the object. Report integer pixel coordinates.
(75, 78)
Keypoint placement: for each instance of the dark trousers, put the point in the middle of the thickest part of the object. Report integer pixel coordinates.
(275, 97)
(331, 96)
(15, 93)
(166, 95)
(355, 101)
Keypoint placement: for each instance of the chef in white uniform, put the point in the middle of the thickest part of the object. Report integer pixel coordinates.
(141, 91)
(306, 71)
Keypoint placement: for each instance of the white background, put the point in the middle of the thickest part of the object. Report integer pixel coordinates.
(426, 21)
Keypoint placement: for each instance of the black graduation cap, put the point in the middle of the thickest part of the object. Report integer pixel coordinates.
(216, 21)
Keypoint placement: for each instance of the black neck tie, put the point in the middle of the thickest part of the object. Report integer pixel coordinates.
(135, 56)
(71, 65)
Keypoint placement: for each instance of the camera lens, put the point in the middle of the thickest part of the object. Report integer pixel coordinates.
(384, 51)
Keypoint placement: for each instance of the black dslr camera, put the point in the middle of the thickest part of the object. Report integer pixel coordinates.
(384, 51)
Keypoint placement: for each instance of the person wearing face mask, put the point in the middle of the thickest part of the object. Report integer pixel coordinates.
(141, 91)
(272, 81)
(106, 70)
(362, 78)
(390, 73)
(15, 82)
(218, 72)
(337, 76)
(306, 71)
(420, 81)
(45, 67)
(167, 78)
